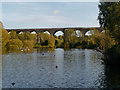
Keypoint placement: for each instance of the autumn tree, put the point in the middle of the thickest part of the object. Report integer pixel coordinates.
(27, 36)
(5, 37)
(109, 18)
(13, 35)
(13, 44)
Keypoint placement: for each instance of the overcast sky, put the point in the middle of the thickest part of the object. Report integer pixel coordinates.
(49, 14)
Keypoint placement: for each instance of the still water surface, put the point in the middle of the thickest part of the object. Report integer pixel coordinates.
(76, 68)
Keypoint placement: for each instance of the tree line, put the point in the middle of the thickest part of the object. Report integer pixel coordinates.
(109, 19)
(107, 41)
(71, 39)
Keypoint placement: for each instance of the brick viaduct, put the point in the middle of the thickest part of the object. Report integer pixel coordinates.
(52, 31)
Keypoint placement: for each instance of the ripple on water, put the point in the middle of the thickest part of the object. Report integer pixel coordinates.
(77, 68)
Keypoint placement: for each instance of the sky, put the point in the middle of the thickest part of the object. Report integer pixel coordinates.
(49, 14)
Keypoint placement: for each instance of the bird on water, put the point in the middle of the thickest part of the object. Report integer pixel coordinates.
(56, 66)
(13, 83)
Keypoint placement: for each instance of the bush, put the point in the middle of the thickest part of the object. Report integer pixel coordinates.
(28, 44)
(14, 44)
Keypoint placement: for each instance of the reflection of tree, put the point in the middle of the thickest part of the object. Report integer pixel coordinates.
(41, 50)
(112, 77)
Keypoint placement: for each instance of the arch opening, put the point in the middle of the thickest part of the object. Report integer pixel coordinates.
(78, 33)
(9, 32)
(91, 32)
(20, 32)
(46, 32)
(58, 33)
(103, 31)
(33, 32)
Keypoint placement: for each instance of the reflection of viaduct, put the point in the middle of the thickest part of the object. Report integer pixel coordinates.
(52, 31)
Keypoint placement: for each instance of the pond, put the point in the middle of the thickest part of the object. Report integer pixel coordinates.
(57, 68)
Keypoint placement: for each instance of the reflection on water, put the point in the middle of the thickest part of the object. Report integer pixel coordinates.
(112, 77)
(5, 51)
(76, 68)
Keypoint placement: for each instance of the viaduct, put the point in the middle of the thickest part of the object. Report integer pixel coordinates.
(52, 31)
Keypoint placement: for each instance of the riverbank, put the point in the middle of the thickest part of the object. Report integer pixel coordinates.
(99, 50)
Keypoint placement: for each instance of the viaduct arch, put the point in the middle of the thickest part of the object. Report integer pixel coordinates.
(52, 31)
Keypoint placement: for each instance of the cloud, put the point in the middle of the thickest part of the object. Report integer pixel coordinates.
(56, 12)
(38, 15)
(37, 21)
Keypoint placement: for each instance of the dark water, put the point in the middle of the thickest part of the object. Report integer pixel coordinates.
(46, 68)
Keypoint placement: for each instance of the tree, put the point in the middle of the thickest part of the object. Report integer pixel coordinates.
(21, 36)
(1, 25)
(60, 37)
(51, 42)
(27, 36)
(55, 36)
(70, 37)
(14, 44)
(109, 18)
(28, 44)
(5, 37)
(13, 35)
(34, 38)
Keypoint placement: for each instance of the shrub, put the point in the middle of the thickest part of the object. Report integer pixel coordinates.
(28, 44)
(14, 44)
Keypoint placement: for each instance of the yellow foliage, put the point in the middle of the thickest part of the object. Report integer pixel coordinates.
(5, 37)
(13, 35)
(28, 44)
(51, 41)
(14, 44)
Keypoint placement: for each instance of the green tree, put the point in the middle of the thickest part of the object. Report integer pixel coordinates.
(70, 37)
(109, 18)
(13, 44)
(13, 35)
(60, 37)
(21, 36)
(28, 44)
(5, 37)
(34, 38)
(55, 36)
(27, 36)
(51, 42)
(46, 40)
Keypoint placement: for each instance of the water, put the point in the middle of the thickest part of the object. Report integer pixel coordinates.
(76, 68)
